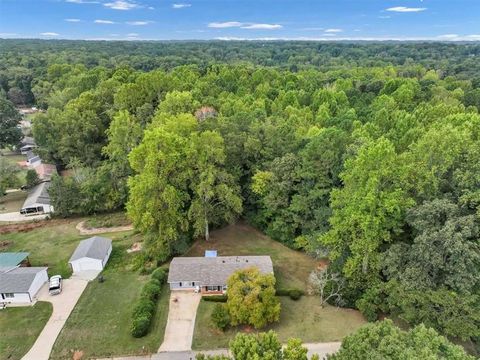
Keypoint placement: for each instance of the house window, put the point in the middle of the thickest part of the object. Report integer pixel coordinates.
(180, 284)
(193, 283)
(8, 295)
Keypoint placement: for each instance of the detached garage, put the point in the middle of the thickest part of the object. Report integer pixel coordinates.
(91, 254)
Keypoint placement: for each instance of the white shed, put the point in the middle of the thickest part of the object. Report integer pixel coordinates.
(91, 254)
(20, 285)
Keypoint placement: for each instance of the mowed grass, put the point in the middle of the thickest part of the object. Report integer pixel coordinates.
(304, 319)
(53, 244)
(12, 202)
(107, 220)
(20, 327)
(291, 267)
(99, 326)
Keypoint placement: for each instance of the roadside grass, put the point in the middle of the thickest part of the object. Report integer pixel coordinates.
(106, 309)
(304, 319)
(12, 202)
(53, 244)
(107, 220)
(291, 267)
(20, 327)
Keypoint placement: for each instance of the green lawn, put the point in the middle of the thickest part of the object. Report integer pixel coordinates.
(304, 319)
(106, 309)
(53, 244)
(107, 220)
(20, 327)
(12, 202)
(291, 267)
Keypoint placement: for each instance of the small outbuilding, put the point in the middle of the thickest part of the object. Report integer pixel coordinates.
(91, 254)
(38, 201)
(20, 285)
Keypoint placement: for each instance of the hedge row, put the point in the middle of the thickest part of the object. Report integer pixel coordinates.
(294, 294)
(215, 298)
(145, 308)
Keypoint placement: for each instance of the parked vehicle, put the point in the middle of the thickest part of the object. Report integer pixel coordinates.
(55, 285)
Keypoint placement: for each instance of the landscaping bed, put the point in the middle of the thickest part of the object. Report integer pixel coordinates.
(20, 327)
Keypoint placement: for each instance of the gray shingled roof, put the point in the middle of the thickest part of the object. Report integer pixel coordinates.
(95, 247)
(19, 279)
(211, 271)
(38, 195)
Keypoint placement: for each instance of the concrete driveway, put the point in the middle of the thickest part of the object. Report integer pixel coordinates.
(181, 321)
(63, 305)
(17, 217)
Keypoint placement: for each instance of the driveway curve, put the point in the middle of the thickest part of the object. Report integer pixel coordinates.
(181, 321)
(63, 305)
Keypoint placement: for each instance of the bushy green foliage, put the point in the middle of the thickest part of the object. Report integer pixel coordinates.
(220, 317)
(140, 326)
(144, 308)
(31, 178)
(383, 340)
(151, 290)
(251, 298)
(160, 274)
(294, 294)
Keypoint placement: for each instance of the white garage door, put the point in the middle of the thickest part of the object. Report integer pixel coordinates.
(86, 264)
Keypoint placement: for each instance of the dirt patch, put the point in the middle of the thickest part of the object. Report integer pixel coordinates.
(77, 355)
(135, 247)
(29, 226)
(89, 231)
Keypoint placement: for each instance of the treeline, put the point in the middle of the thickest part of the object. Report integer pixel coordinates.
(376, 167)
(24, 63)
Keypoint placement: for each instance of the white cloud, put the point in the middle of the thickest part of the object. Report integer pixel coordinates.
(139, 23)
(223, 25)
(121, 5)
(313, 29)
(132, 34)
(329, 34)
(384, 17)
(262, 26)
(72, 20)
(404, 9)
(181, 6)
(109, 22)
(82, 1)
(8, 35)
(333, 30)
(49, 33)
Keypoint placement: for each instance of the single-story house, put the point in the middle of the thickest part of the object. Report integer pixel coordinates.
(45, 171)
(37, 201)
(20, 285)
(209, 275)
(91, 254)
(28, 144)
(10, 260)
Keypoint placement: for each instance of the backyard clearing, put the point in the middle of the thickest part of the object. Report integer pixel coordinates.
(291, 267)
(20, 327)
(304, 319)
(12, 201)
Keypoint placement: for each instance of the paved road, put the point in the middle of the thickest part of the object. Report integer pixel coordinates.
(181, 321)
(321, 349)
(63, 305)
(17, 217)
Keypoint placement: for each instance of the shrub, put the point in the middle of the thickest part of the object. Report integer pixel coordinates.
(144, 307)
(220, 317)
(160, 274)
(140, 326)
(151, 290)
(215, 298)
(295, 294)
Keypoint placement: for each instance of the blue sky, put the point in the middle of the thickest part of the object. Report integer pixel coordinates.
(241, 19)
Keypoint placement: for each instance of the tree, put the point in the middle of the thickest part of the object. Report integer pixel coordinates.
(327, 285)
(294, 350)
(31, 178)
(220, 316)
(10, 133)
(251, 298)
(265, 346)
(8, 175)
(385, 341)
(215, 195)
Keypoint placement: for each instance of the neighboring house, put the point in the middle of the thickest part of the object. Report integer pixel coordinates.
(45, 171)
(91, 254)
(10, 260)
(209, 275)
(37, 201)
(28, 144)
(33, 160)
(20, 285)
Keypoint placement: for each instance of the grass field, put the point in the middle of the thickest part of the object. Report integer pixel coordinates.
(20, 327)
(107, 220)
(291, 267)
(53, 244)
(304, 319)
(12, 202)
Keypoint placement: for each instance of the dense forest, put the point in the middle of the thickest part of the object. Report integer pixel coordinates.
(366, 153)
